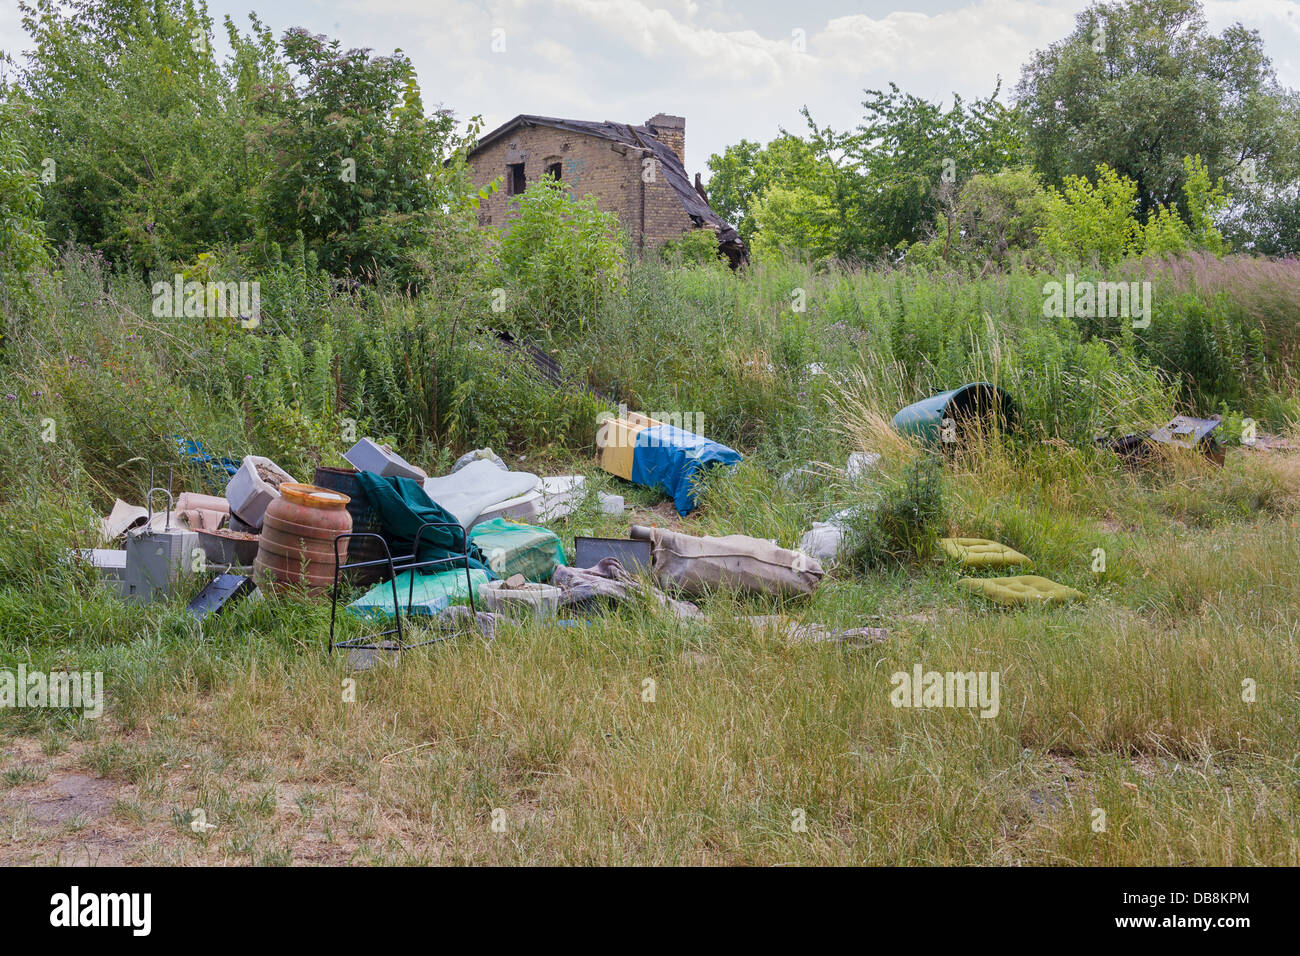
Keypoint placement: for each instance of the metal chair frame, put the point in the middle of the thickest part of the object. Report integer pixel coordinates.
(396, 565)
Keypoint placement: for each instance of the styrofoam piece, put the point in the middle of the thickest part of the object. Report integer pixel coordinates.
(533, 600)
(561, 495)
(611, 504)
(110, 563)
(108, 560)
(249, 495)
(366, 455)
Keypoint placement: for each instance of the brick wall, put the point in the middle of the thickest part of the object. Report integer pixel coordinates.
(588, 165)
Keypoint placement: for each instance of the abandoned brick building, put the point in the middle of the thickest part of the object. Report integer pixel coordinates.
(638, 172)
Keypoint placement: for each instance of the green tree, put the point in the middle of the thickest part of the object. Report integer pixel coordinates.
(23, 248)
(132, 114)
(1086, 219)
(1142, 84)
(354, 162)
(993, 217)
(742, 173)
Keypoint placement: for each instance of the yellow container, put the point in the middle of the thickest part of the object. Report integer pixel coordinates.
(616, 441)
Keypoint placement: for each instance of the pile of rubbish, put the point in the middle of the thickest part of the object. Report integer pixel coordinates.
(470, 549)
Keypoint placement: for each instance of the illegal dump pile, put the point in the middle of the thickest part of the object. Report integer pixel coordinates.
(471, 550)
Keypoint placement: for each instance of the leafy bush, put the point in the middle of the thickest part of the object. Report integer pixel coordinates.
(563, 258)
(22, 234)
(900, 518)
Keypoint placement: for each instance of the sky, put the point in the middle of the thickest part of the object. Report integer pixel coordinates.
(734, 68)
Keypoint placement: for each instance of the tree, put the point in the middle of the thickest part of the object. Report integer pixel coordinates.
(131, 115)
(22, 234)
(1100, 220)
(1140, 85)
(354, 162)
(564, 257)
(745, 171)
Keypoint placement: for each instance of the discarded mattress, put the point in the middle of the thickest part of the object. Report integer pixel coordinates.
(736, 562)
(982, 553)
(470, 492)
(1022, 589)
(430, 595)
(669, 459)
(513, 548)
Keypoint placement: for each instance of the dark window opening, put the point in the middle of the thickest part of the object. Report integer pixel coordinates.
(553, 171)
(515, 183)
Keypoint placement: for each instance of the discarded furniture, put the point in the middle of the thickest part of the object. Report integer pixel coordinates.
(698, 565)
(650, 453)
(945, 417)
(481, 491)
(395, 566)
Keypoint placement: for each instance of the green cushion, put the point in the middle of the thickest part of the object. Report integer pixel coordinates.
(982, 553)
(1022, 589)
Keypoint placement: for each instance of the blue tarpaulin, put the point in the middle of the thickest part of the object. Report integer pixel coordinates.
(668, 458)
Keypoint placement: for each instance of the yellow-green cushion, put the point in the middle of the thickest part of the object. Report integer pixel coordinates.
(1022, 589)
(982, 553)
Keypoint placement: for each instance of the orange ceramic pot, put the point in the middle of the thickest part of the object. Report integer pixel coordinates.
(297, 542)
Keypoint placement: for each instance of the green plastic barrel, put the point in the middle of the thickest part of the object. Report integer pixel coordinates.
(975, 400)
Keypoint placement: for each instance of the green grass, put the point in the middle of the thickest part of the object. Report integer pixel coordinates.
(1130, 702)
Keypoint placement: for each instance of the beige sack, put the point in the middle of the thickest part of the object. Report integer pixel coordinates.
(736, 562)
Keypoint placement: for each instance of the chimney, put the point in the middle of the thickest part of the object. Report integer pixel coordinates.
(671, 131)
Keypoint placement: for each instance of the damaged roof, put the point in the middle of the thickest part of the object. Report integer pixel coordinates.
(638, 137)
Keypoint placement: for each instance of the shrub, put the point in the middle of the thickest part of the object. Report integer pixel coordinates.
(563, 257)
(900, 518)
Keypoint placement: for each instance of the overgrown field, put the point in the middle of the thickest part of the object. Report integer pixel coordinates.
(1168, 699)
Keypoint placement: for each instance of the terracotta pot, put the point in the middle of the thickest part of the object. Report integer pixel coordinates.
(297, 542)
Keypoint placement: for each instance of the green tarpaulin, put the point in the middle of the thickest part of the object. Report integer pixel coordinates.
(403, 506)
